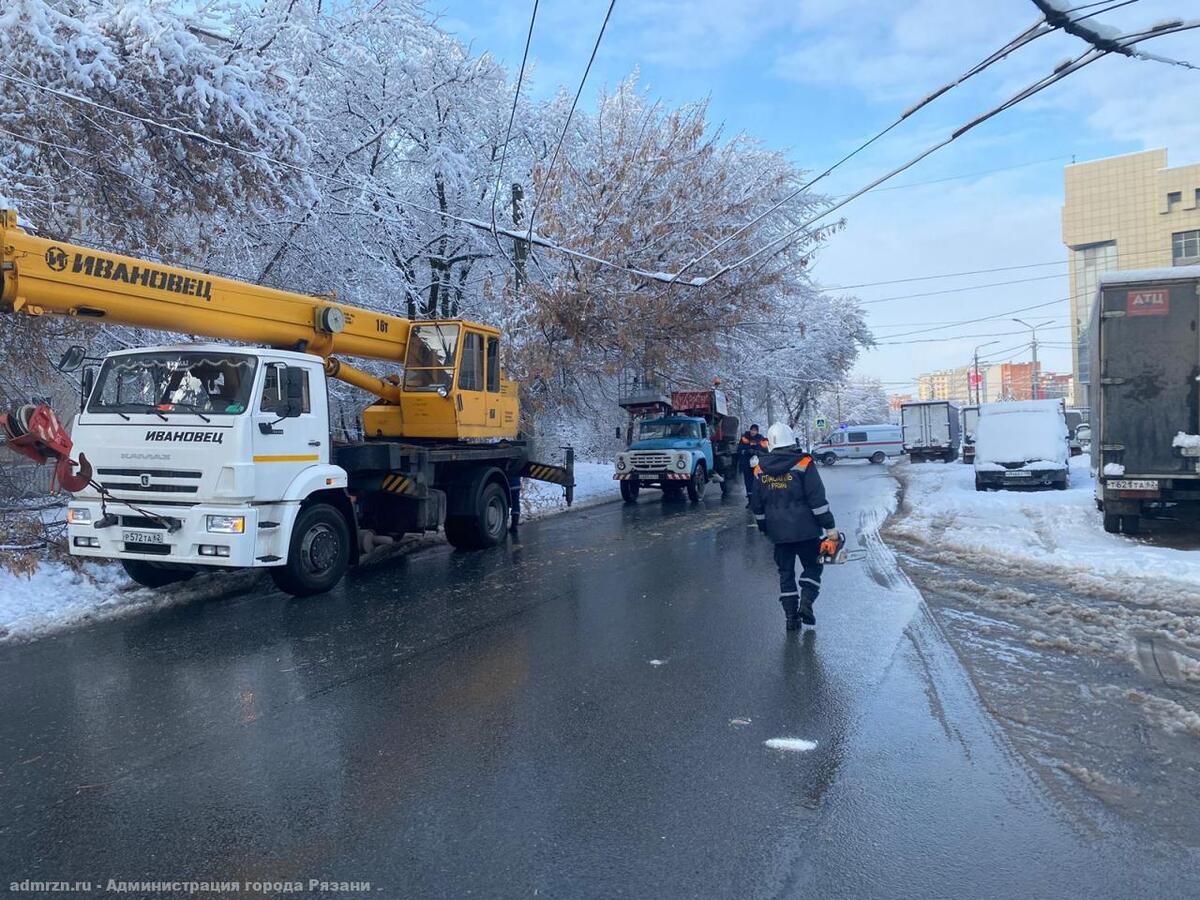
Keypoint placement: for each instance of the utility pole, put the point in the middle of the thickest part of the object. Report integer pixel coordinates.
(520, 247)
(1033, 375)
(770, 406)
(978, 395)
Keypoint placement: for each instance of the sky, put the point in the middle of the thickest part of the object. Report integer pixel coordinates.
(814, 78)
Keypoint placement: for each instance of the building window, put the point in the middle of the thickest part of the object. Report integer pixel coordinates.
(1185, 248)
(1174, 199)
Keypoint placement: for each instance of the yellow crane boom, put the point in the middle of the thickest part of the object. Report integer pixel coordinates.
(45, 277)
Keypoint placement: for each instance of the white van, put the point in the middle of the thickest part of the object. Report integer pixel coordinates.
(873, 442)
(1022, 444)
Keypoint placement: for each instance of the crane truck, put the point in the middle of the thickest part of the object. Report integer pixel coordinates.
(198, 455)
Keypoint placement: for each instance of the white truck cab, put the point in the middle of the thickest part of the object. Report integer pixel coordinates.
(203, 454)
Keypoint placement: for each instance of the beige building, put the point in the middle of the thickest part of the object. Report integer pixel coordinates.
(1126, 212)
(945, 384)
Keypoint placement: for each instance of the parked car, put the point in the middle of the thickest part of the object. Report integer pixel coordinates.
(931, 429)
(1083, 437)
(970, 421)
(1022, 444)
(873, 442)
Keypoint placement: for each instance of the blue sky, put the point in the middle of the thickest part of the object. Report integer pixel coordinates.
(815, 77)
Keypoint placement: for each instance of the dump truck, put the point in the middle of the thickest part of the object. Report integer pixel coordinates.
(1144, 392)
(677, 440)
(197, 456)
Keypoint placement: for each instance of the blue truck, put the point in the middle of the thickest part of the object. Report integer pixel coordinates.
(677, 441)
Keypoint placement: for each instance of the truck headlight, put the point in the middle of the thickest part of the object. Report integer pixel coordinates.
(77, 516)
(681, 462)
(621, 464)
(227, 524)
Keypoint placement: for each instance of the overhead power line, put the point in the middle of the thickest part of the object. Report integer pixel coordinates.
(938, 326)
(567, 124)
(960, 337)
(1106, 41)
(1029, 34)
(970, 287)
(508, 132)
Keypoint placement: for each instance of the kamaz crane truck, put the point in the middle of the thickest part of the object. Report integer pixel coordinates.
(201, 455)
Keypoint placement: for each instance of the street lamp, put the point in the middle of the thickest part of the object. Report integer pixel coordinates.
(978, 399)
(1033, 375)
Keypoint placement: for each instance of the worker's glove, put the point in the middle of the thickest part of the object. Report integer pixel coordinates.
(753, 461)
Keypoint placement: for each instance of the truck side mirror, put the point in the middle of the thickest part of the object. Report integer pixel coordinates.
(87, 381)
(293, 387)
(72, 359)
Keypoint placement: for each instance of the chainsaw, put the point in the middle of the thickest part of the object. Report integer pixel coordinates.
(840, 554)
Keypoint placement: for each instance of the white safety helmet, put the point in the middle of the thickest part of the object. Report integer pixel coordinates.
(779, 436)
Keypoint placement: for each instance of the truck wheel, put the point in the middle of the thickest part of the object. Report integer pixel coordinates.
(155, 575)
(486, 527)
(1131, 524)
(1112, 524)
(878, 457)
(697, 483)
(318, 554)
(828, 459)
(629, 491)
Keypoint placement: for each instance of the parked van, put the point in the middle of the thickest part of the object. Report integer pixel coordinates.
(873, 442)
(1021, 444)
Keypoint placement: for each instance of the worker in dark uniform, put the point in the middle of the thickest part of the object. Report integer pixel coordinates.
(789, 506)
(514, 495)
(750, 444)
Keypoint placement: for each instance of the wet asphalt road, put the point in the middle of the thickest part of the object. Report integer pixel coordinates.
(578, 714)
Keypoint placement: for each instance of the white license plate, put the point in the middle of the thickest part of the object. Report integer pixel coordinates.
(142, 537)
(1017, 473)
(1131, 484)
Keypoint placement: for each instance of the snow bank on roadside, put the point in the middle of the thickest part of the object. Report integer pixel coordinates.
(1052, 533)
(593, 485)
(56, 596)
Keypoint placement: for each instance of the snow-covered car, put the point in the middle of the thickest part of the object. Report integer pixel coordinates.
(1020, 445)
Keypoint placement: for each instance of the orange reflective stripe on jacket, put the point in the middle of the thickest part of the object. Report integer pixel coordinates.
(802, 463)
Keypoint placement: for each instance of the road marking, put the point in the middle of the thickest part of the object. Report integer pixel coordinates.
(795, 745)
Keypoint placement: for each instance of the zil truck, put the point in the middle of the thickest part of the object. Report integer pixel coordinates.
(1145, 396)
(206, 455)
(677, 440)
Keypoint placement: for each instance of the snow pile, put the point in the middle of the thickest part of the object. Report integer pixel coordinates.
(593, 485)
(1052, 534)
(1186, 440)
(1021, 432)
(55, 595)
(1113, 470)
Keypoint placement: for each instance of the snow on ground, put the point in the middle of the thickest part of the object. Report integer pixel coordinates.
(1041, 533)
(58, 596)
(593, 485)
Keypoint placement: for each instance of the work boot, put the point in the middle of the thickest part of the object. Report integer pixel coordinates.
(790, 611)
(805, 611)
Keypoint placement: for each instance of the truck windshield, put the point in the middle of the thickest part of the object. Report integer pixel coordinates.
(652, 430)
(429, 361)
(174, 381)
